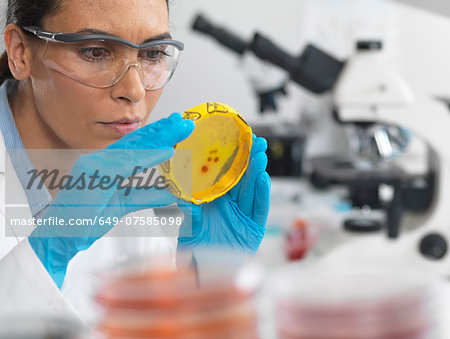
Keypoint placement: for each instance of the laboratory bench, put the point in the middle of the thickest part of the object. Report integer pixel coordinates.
(333, 250)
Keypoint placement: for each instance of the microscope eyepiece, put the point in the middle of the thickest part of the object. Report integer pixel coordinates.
(201, 24)
(265, 49)
(223, 36)
(314, 69)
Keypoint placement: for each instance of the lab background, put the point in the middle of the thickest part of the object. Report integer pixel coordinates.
(306, 239)
(415, 46)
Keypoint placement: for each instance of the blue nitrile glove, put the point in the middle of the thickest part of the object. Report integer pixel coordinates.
(145, 147)
(236, 220)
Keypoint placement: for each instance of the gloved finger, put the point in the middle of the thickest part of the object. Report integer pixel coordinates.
(192, 222)
(163, 133)
(259, 145)
(117, 165)
(257, 165)
(144, 148)
(190, 209)
(261, 203)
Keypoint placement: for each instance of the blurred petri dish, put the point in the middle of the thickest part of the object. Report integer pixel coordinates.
(136, 302)
(389, 304)
(213, 159)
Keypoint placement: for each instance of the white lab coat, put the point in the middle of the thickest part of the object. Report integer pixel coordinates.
(27, 289)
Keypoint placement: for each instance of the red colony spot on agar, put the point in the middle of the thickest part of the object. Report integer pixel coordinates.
(205, 169)
(209, 159)
(216, 159)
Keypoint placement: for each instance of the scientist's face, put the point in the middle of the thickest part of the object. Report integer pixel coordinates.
(83, 117)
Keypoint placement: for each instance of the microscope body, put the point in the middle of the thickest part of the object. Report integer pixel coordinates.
(370, 91)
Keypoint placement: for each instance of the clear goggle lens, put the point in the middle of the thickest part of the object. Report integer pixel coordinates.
(101, 64)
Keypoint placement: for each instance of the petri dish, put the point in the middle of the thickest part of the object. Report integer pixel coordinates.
(352, 303)
(213, 159)
(141, 301)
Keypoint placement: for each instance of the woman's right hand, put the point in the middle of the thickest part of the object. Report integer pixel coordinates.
(141, 149)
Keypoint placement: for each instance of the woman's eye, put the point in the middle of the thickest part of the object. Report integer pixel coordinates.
(94, 53)
(155, 55)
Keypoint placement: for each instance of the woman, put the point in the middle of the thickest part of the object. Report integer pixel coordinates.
(65, 96)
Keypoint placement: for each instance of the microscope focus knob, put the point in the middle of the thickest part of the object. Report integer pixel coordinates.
(433, 246)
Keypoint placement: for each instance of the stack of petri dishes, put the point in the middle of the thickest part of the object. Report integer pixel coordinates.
(353, 306)
(178, 303)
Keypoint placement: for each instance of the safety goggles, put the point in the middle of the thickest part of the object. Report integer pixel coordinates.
(101, 60)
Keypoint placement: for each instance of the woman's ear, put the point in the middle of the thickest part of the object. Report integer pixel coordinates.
(19, 52)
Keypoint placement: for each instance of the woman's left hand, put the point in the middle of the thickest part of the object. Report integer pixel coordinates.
(236, 220)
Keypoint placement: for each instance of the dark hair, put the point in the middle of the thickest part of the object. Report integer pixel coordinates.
(27, 13)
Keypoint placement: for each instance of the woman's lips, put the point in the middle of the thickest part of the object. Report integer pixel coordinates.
(122, 126)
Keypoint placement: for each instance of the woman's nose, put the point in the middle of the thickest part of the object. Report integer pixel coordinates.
(130, 87)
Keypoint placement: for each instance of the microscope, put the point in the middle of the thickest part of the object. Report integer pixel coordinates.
(269, 69)
(373, 98)
(369, 90)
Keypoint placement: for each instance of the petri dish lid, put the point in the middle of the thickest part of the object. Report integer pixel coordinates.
(222, 277)
(213, 159)
(357, 302)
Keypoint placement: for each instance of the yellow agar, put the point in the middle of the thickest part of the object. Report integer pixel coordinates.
(213, 159)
